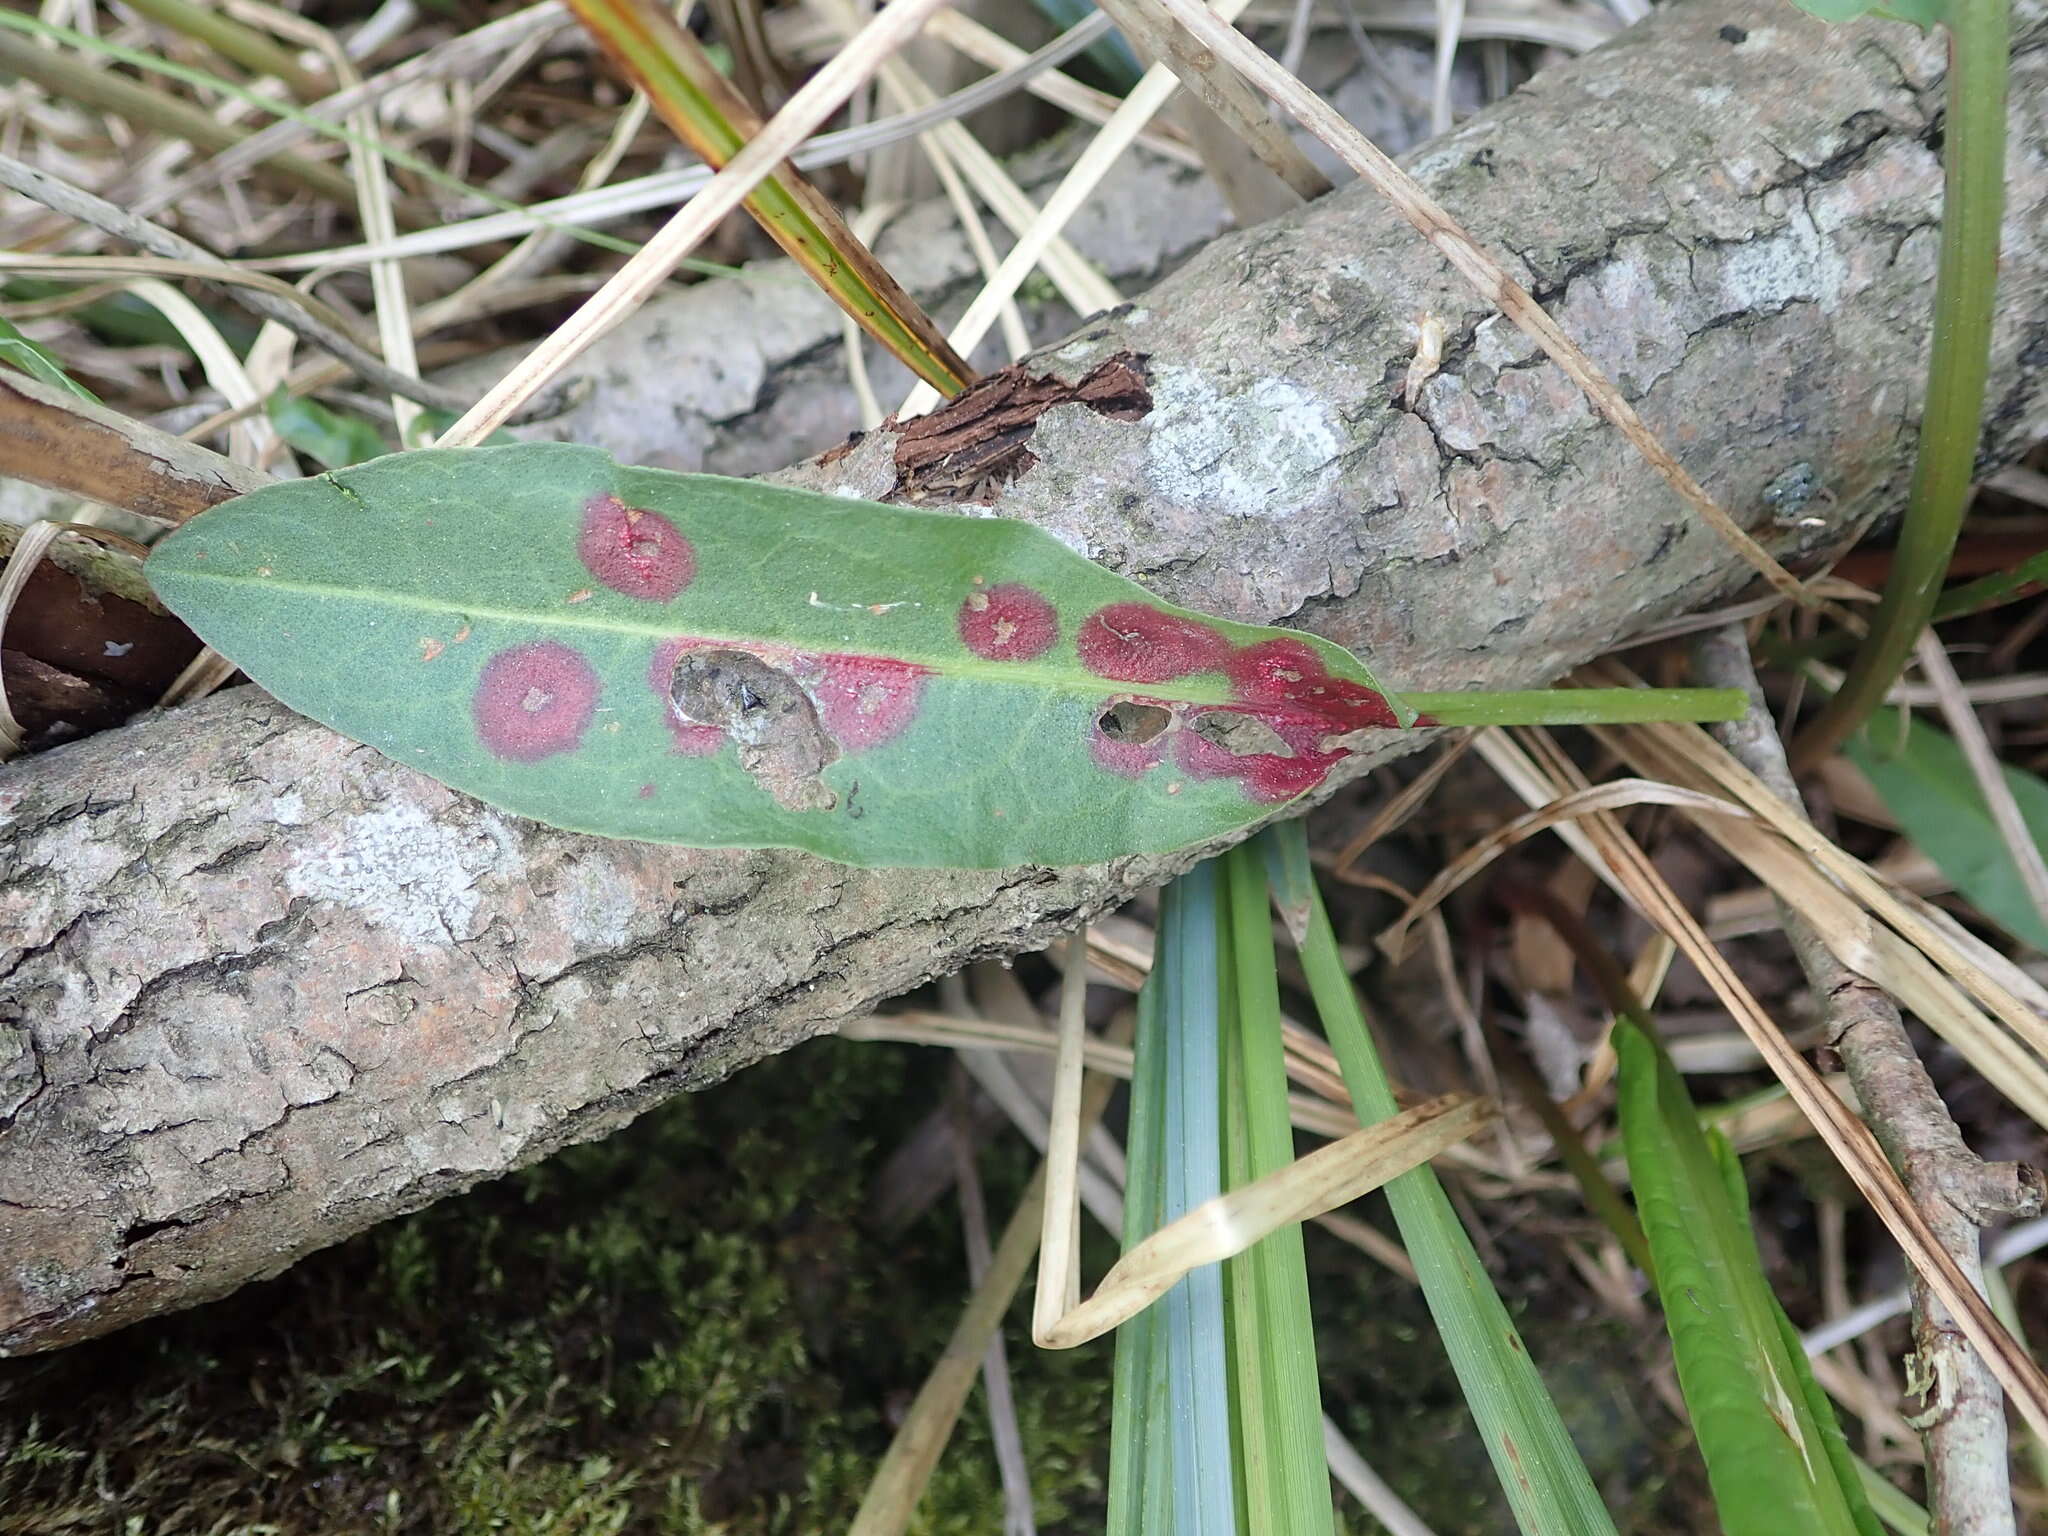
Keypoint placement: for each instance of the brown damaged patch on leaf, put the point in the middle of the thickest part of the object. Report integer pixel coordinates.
(782, 745)
(977, 442)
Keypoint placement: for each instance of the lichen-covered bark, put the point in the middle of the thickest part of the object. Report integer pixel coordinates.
(262, 988)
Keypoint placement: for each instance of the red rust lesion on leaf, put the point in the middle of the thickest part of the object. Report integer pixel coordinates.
(633, 551)
(1281, 733)
(1007, 622)
(1137, 643)
(534, 701)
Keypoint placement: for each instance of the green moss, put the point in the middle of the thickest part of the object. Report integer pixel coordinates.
(689, 1329)
(682, 1329)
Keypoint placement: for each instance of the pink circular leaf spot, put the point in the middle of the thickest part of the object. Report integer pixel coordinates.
(1008, 623)
(534, 701)
(1137, 643)
(864, 701)
(633, 551)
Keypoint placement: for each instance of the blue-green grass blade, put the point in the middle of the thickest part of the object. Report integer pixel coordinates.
(1195, 1347)
(1545, 1480)
(1138, 1431)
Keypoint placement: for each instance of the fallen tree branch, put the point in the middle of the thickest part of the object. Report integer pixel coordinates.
(263, 988)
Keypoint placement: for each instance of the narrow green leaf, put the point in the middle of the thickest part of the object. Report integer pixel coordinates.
(684, 658)
(331, 439)
(1540, 1471)
(1894, 1510)
(1194, 1353)
(1926, 782)
(1286, 1475)
(35, 360)
(1921, 13)
(1774, 1463)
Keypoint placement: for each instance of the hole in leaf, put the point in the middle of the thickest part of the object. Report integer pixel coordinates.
(1132, 724)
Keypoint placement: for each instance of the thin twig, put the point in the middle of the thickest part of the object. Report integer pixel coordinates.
(1964, 1426)
(77, 203)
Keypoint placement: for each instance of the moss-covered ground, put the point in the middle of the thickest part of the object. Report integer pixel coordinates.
(688, 1328)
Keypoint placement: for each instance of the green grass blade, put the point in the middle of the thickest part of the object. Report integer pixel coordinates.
(1280, 1413)
(1195, 1346)
(253, 50)
(1894, 1509)
(1579, 706)
(1545, 1480)
(1774, 1453)
(1926, 782)
(332, 439)
(1138, 1434)
(35, 360)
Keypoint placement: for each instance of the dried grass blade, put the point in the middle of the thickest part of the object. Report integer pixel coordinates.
(1616, 794)
(1221, 1228)
(1059, 1242)
(899, 1482)
(1851, 1142)
(650, 266)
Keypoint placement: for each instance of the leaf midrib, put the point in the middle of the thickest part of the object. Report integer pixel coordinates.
(965, 666)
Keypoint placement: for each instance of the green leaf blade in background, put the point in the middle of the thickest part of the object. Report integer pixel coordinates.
(1770, 1441)
(332, 439)
(1285, 1470)
(509, 620)
(1926, 782)
(37, 361)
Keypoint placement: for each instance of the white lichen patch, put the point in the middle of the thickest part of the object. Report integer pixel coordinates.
(1258, 453)
(1797, 263)
(399, 869)
(596, 904)
(1623, 317)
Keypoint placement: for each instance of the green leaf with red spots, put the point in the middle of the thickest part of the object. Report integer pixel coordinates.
(723, 663)
(690, 659)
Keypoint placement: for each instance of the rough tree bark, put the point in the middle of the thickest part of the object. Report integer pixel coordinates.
(261, 988)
